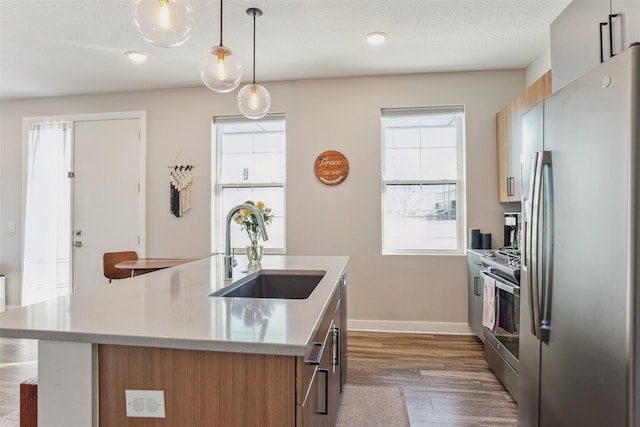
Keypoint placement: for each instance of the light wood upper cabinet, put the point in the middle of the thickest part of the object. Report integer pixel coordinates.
(509, 137)
(535, 93)
(503, 138)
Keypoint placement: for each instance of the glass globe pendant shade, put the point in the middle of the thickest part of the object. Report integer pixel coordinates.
(164, 23)
(221, 70)
(254, 101)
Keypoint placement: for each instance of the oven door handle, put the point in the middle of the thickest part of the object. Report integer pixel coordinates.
(501, 284)
(513, 290)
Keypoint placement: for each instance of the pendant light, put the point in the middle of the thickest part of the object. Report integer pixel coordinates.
(164, 23)
(220, 69)
(254, 100)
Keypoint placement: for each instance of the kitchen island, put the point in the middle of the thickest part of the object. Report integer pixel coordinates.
(218, 360)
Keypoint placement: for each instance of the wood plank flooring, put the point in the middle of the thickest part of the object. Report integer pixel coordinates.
(18, 362)
(445, 379)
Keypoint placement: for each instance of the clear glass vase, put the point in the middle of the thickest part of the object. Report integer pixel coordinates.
(254, 253)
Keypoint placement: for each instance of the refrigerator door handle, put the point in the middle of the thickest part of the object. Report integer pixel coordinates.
(535, 271)
(547, 246)
(533, 250)
(528, 240)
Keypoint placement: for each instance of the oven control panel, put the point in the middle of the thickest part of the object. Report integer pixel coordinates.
(506, 262)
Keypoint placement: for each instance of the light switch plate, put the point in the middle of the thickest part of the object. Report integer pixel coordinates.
(145, 403)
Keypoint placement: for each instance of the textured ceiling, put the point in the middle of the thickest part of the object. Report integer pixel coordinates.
(68, 47)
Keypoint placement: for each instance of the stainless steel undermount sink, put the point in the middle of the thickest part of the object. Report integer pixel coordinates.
(281, 284)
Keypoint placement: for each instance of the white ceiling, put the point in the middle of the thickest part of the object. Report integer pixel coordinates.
(68, 47)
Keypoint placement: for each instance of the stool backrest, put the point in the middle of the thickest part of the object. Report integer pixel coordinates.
(109, 261)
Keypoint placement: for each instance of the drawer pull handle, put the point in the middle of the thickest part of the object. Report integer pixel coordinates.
(336, 347)
(315, 361)
(325, 411)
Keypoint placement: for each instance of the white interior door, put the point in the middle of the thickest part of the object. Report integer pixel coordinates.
(106, 193)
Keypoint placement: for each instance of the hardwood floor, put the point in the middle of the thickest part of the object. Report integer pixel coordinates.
(18, 362)
(445, 379)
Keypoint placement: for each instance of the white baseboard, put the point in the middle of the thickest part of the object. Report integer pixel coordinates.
(439, 328)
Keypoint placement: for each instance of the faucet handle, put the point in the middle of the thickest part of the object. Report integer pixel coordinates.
(229, 263)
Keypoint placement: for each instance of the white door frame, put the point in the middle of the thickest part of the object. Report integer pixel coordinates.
(140, 115)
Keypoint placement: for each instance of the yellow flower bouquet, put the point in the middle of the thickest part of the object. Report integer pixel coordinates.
(249, 223)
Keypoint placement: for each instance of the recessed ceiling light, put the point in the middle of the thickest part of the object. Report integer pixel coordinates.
(376, 38)
(136, 56)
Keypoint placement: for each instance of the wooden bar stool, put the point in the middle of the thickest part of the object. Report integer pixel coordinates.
(110, 259)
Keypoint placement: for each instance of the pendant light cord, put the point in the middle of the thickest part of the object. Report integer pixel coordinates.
(221, 1)
(254, 47)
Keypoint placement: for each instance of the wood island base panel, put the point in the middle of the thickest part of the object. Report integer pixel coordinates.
(200, 387)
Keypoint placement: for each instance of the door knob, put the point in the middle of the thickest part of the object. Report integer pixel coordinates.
(77, 244)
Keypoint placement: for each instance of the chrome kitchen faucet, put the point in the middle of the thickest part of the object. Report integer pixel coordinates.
(229, 262)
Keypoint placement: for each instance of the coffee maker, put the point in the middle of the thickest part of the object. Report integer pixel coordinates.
(511, 230)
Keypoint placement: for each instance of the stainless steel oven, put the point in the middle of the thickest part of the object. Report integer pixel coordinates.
(502, 341)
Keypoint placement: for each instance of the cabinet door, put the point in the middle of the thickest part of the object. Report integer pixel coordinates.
(471, 297)
(508, 135)
(509, 138)
(333, 386)
(575, 40)
(328, 382)
(504, 155)
(515, 147)
(312, 410)
(475, 296)
(320, 407)
(342, 344)
(535, 93)
(630, 11)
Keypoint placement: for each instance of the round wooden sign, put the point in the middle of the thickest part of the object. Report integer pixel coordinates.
(331, 167)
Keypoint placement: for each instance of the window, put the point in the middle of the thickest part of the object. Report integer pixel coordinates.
(47, 266)
(422, 180)
(248, 163)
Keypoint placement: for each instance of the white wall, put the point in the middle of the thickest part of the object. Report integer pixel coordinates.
(417, 292)
(538, 67)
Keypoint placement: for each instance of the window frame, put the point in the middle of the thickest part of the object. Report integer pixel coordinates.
(459, 182)
(218, 218)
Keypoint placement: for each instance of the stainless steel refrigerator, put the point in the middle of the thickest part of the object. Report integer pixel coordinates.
(580, 304)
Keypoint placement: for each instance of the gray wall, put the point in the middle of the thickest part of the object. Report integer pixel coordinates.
(421, 293)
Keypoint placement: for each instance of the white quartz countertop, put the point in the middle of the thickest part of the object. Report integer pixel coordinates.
(172, 308)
